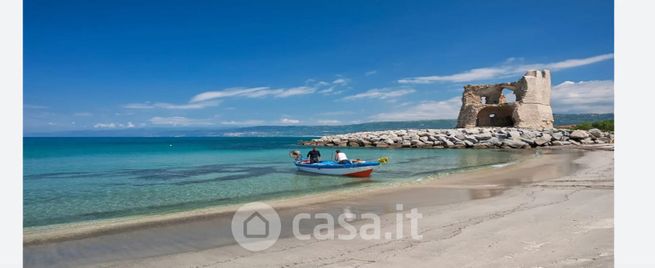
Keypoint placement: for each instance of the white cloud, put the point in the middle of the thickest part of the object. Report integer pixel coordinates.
(384, 93)
(329, 122)
(171, 106)
(572, 63)
(281, 93)
(289, 121)
(340, 81)
(583, 97)
(243, 123)
(445, 109)
(230, 92)
(372, 72)
(113, 125)
(213, 98)
(255, 92)
(510, 67)
(179, 121)
(331, 88)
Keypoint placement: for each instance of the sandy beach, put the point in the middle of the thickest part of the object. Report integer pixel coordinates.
(552, 210)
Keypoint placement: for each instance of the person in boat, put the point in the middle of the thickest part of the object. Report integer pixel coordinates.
(341, 157)
(296, 155)
(314, 156)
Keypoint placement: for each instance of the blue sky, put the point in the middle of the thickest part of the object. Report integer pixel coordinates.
(142, 64)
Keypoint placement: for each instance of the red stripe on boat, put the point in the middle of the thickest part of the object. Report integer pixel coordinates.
(365, 173)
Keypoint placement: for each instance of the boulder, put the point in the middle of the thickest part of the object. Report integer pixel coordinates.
(543, 140)
(515, 135)
(527, 140)
(596, 133)
(528, 134)
(494, 141)
(471, 131)
(470, 138)
(587, 141)
(557, 136)
(483, 136)
(515, 144)
(502, 135)
(604, 139)
(454, 139)
(579, 134)
(446, 141)
(558, 143)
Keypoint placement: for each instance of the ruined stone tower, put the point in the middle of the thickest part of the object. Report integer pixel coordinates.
(487, 106)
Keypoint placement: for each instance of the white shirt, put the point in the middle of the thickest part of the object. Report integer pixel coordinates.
(341, 157)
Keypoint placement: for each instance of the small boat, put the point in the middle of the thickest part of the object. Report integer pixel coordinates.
(353, 169)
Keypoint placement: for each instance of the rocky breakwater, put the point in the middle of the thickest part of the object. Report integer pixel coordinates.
(500, 137)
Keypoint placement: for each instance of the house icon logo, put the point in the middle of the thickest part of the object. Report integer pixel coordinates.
(256, 226)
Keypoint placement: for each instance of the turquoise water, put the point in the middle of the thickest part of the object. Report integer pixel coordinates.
(77, 179)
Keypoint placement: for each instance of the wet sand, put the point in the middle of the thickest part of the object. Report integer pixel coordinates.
(555, 209)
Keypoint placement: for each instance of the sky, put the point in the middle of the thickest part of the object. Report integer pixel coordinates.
(119, 64)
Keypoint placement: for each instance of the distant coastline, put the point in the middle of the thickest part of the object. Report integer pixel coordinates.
(293, 130)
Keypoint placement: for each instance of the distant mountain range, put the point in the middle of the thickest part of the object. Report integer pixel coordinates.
(293, 131)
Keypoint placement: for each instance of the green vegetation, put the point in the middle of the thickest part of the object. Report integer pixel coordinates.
(604, 125)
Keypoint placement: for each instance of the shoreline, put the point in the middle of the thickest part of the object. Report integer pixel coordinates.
(128, 245)
(38, 235)
(549, 217)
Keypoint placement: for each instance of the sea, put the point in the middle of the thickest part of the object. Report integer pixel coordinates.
(76, 179)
